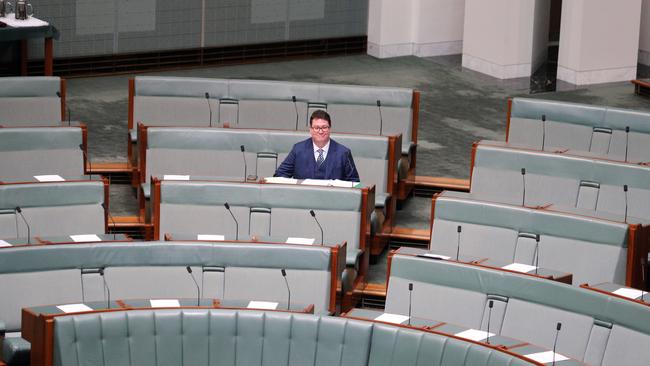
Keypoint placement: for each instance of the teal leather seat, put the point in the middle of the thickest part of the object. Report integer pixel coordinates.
(230, 337)
(597, 328)
(31, 101)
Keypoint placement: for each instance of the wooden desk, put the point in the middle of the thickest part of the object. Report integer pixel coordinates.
(37, 325)
(642, 87)
(502, 343)
(47, 32)
(608, 288)
(51, 240)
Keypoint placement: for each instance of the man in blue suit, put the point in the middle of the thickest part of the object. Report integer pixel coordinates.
(319, 157)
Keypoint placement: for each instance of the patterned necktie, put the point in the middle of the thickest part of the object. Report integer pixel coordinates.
(320, 158)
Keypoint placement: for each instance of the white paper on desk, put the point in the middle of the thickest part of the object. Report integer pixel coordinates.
(306, 241)
(175, 177)
(435, 256)
(474, 335)
(165, 303)
(266, 305)
(85, 238)
(49, 178)
(4, 244)
(316, 182)
(519, 267)
(392, 318)
(11, 21)
(342, 183)
(546, 357)
(210, 237)
(630, 293)
(280, 180)
(74, 308)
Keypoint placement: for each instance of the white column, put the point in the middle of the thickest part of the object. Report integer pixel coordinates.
(415, 27)
(498, 37)
(644, 37)
(599, 41)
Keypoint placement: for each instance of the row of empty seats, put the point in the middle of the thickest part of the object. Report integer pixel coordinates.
(596, 328)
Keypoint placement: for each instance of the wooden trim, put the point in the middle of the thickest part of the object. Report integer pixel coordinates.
(472, 162)
(334, 277)
(155, 207)
(131, 101)
(48, 52)
(142, 146)
(63, 88)
(586, 286)
(389, 263)
(415, 106)
(394, 144)
(442, 183)
(48, 342)
(84, 143)
(433, 215)
(508, 114)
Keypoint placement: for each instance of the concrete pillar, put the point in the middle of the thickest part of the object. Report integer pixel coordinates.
(644, 37)
(415, 27)
(505, 38)
(599, 41)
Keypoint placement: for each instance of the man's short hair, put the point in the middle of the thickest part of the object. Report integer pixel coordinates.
(320, 114)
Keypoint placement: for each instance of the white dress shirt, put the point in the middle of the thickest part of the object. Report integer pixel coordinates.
(325, 149)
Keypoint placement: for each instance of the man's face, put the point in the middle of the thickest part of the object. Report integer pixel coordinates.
(320, 132)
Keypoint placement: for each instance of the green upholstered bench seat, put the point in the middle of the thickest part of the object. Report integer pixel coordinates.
(26, 152)
(53, 208)
(594, 250)
(32, 101)
(581, 128)
(228, 337)
(596, 328)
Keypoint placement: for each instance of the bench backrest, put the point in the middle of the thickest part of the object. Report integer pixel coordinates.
(559, 179)
(595, 326)
(580, 127)
(53, 208)
(66, 273)
(30, 151)
(216, 152)
(205, 337)
(266, 104)
(32, 101)
(276, 210)
(593, 250)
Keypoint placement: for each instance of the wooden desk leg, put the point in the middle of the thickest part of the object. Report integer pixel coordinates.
(23, 57)
(49, 52)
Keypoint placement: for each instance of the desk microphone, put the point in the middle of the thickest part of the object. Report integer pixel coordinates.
(627, 139)
(381, 120)
(557, 332)
(313, 214)
(536, 252)
(543, 131)
(207, 97)
(106, 288)
(29, 230)
(284, 275)
(490, 305)
(227, 206)
(625, 191)
(458, 231)
(198, 289)
(410, 300)
(86, 159)
(243, 155)
(523, 178)
(108, 212)
(295, 106)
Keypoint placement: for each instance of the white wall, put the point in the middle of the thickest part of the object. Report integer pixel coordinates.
(644, 37)
(415, 27)
(498, 37)
(599, 41)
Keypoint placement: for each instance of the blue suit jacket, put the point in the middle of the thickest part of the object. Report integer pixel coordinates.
(301, 164)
